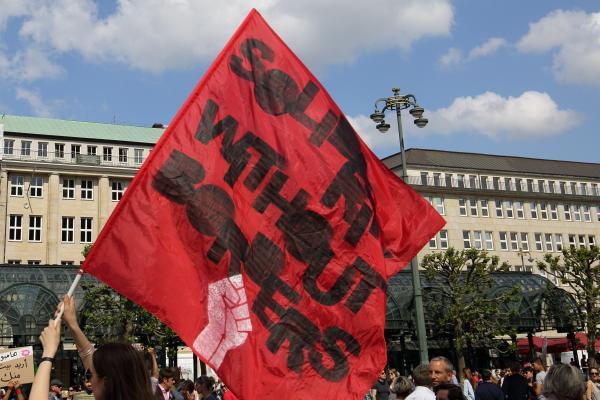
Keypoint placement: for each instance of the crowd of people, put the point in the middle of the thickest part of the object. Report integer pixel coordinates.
(438, 381)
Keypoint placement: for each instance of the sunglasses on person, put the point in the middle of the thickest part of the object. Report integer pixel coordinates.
(594, 373)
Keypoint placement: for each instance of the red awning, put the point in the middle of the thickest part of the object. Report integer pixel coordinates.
(557, 345)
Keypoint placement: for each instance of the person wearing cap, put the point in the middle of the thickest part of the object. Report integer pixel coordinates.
(55, 389)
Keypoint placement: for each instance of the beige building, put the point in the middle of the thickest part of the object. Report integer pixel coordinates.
(59, 182)
(516, 208)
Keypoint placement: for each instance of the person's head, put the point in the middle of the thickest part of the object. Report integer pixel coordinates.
(71, 392)
(467, 373)
(528, 373)
(87, 385)
(56, 386)
(421, 376)
(515, 368)
(167, 377)
(118, 372)
(563, 382)
(594, 377)
(204, 385)
(448, 391)
(440, 369)
(382, 376)
(486, 375)
(402, 387)
(186, 388)
(538, 365)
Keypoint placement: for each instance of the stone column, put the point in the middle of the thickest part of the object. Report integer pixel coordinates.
(53, 223)
(3, 210)
(103, 201)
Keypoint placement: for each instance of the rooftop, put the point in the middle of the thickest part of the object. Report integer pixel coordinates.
(496, 163)
(79, 130)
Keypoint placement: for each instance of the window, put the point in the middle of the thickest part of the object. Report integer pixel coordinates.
(91, 150)
(598, 213)
(499, 212)
(571, 240)
(443, 239)
(541, 186)
(553, 212)
(567, 212)
(484, 208)
(543, 210)
(87, 189)
(551, 186)
(424, 176)
(582, 241)
(59, 150)
(538, 241)
(524, 241)
(16, 185)
(14, 227)
(573, 188)
(433, 243)
(508, 183)
(583, 188)
(42, 149)
(438, 203)
(117, 190)
(138, 157)
(473, 207)
(496, 182)
(508, 205)
(33, 262)
(558, 241)
(448, 180)
(518, 184)
(520, 209)
(66, 263)
(35, 228)
(514, 241)
(462, 207)
(25, 147)
(68, 191)
(595, 189)
(473, 181)
(107, 153)
(489, 241)
(503, 241)
(484, 181)
(460, 180)
(548, 239)
(563, 187)
(36, 186)
(530, 185)
(436, 175)
(591, 240)
(123, 154)
(9, 146)
(86, 230)
(586, 213)
(67, 229)
(477, 237)
(576, 213)
(533, 208)
(75, 150)
(14, 262)
(466, 240)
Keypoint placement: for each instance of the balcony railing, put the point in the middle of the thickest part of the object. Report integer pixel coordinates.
(527, 187)
(74, 158)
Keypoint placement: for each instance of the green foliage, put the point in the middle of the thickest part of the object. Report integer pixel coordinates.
(579, 268)
(465, 310)
(108, 316)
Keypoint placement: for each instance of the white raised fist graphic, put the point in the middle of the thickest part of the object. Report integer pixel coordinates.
(228, 320)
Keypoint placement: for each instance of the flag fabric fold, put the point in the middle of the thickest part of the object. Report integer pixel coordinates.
(263, 230)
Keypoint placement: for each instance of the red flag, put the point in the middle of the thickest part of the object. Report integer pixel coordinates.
(263, 230)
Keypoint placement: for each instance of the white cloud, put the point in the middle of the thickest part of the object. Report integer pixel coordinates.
(455, 56)
(156, 35)
(532, 114)
(28, 65)
(488, 47)
(38, 106)
(574, 36)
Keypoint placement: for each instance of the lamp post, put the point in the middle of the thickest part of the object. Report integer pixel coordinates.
(399, 103)
(522, 253)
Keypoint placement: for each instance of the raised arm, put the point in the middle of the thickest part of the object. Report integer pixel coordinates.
(84, 347)
(50, 339)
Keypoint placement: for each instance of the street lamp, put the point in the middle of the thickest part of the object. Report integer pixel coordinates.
(399, 103)
(522, 253)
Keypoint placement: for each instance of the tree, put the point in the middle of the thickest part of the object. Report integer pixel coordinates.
(579, 268)
(467, 313)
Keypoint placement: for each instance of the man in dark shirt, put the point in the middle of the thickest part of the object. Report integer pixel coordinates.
(381, 388)
(486, 390)
(515, 386)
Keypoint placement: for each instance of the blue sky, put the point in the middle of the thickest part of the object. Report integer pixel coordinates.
(501, 77)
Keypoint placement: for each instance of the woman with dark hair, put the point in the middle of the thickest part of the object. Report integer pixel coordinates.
(186, 389)
(116, 370)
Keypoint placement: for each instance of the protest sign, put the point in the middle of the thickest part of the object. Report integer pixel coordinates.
(16, 365)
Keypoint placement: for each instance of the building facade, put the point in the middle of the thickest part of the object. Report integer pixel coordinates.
(59, 182)
(516, 208)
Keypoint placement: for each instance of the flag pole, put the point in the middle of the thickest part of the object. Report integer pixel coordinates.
(69, 293)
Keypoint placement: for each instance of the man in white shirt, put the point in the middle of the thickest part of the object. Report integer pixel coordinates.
(422, 379)
(540, 370)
